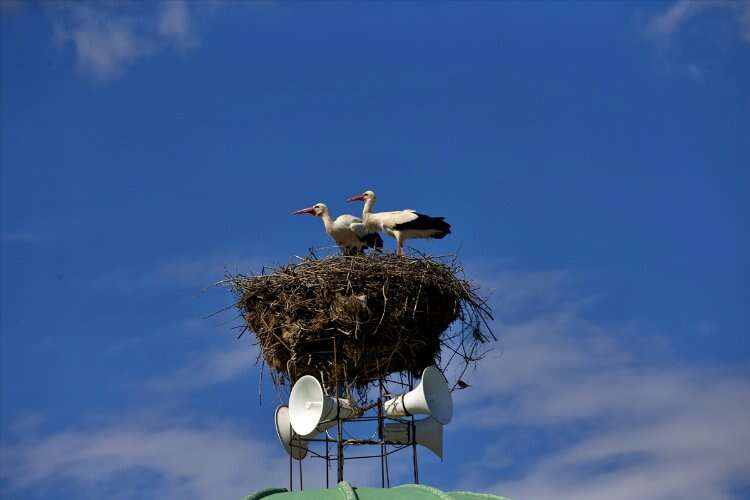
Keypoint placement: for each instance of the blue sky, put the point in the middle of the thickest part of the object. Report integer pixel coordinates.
(591, 157)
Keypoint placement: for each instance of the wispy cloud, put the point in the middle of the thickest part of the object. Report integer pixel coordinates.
(694, 72)
(196, 273)
(189, 460)
(174, 22)
(693, 19)
(107, 38)
(682, 12)
(208, 369)
(26, 236)
(745, 23)
(176, 457)
(203, 271)
(619, 424)
(677, 15)
(157, 456)
(8, 6)
(515, 292)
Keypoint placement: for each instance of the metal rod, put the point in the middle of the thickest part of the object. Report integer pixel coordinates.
(328, 464)
(291, 449)
(381, 434)
(377, 455)
(339, 426)
(414, 450)
(386, 453)
(360, 442)
(396, 450)
(412, 432)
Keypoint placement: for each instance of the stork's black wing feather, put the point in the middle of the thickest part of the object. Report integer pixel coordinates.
(426, 222)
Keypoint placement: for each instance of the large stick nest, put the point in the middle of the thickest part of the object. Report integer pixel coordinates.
(353, 320)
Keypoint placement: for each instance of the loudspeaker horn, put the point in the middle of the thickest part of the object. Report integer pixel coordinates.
(428, 432)
(289, 439)
(431, 397)
(310, 408)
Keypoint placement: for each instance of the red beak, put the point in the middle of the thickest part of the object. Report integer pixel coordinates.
(309, 210)
(359, 197)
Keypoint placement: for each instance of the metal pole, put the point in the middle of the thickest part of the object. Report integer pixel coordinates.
(339, 426)
(381, 435)
(328, 461)
(414, 450)
(291, 449)
(412, 432)
(340, 452)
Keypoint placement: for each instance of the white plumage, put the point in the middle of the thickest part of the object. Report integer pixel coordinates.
(402, 224)
(348, 231)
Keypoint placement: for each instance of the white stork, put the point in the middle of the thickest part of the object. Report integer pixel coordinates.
(403, 224)
(349, 232)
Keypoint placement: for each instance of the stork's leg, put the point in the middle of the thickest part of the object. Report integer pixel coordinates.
(399, 247)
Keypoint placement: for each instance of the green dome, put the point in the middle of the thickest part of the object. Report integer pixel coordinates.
(345, 491)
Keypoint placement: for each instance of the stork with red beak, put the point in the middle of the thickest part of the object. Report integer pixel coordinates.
(403, 224)
(349, 232)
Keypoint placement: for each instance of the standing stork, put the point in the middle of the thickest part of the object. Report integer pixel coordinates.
(403, 224)
(349, 232)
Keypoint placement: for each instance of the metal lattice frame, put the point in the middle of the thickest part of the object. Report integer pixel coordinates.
(336, 453)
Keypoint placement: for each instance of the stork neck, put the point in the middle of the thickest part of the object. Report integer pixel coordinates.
(327, 221)
(367, 209)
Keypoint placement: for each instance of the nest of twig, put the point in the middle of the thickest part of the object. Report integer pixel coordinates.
(353, 320)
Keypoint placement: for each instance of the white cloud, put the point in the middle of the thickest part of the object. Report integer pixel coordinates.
(745, 23)
(7, 6)
(27, 423)
(26, 236)
(104, 43)
(680, 13)
(189, 458)
(677, 15)
(619, 424)
(694, 72)
(519, 292)
(198, 274)
(174, 21)
(107, 38)
(217, 460)
(182, 458)
(208, 369)
(204, 271)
